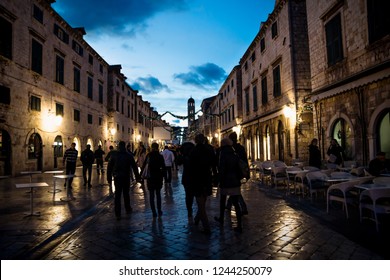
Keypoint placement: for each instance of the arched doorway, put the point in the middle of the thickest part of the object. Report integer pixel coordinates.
(57, 149)
(280, 141)
(383, 133)
(342, 133)
(267, 143)
(35, 150)
(5, 153)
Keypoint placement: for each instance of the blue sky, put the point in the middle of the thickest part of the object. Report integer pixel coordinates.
(170, 50)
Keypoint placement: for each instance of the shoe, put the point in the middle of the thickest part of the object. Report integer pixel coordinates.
(244, 212)
(89, 186)
(196, 221)
(84, 184)
(238, 229)
(219, 220)
(206, 231)
(128, 211)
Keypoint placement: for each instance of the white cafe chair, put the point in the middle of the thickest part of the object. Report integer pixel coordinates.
(377, 201)
(279, 174)
(316, 183)
(342, 192)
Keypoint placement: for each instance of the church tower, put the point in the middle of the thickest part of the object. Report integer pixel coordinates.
(191, 111)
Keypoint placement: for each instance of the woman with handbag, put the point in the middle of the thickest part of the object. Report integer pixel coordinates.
(153, 170)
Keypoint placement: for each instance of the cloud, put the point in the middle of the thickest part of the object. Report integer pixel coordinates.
(149, 85)
(206, 76)
(119, 17)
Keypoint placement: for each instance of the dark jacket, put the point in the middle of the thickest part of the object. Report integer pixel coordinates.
(228, 168)
(337, 151)
(156, 168)
(87, 157)
(314, 156)
(202, 162)
(185, 151)
(122, 163)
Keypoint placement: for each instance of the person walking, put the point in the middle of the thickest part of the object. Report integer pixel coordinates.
(154, 161)
(314, 154)
(140, 154)
(169, 159)
(109, 168)
(240, 151)
(99, 153)
(70, 159)
(202, 162)
(87, 159)
(185, 152)
(122, 164)
(229, 181)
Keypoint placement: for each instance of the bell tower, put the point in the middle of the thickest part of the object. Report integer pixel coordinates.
(191, 111)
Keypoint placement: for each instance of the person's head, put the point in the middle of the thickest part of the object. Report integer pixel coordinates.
(100, 146)
(154, 146)
(199, 139)
(186, 148)
(73, 145)
(314, 141)
(88, 147)
(111, 147)
(334, 142)
(381, 156)
(226, 142)
(166, 147)
(233, 137)
(122, 146)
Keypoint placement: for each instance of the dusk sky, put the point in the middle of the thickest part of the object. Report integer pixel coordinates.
(170, 50)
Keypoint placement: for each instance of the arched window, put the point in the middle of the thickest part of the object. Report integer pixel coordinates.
(267, 144)
(58, 146)
(342, 133)
(383, 132)
(281, 141)
(34, 146)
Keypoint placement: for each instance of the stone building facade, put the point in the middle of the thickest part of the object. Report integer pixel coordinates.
(350, 74)
(316, 69)
(55, 89)
(275, 85)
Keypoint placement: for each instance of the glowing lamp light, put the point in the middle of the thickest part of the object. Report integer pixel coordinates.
(113, 131)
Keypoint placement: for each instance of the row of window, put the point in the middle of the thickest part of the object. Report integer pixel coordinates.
(277, 90)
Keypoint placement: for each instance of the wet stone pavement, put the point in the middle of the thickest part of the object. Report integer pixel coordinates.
(278, 227)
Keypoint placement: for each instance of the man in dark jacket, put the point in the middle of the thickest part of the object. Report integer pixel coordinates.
(202, 162)
(122, 163)
(87, 159)
(240, 151)
(99, 153)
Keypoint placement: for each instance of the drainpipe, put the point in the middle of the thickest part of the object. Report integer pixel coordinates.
(294, 76)
(363, 124)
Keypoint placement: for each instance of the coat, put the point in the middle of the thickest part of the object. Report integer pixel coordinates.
(156, 167)
(229, 170)
(202, 162)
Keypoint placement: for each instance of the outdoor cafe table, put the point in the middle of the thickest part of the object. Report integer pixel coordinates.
(371, 186)
(69, 195)
(55, 190)
(30, 173)
(31, 186)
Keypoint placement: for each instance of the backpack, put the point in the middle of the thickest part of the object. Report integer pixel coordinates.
(244, 168)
